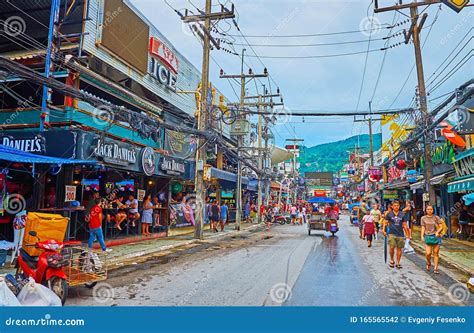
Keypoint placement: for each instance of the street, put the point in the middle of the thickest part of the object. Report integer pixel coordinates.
(282, 267)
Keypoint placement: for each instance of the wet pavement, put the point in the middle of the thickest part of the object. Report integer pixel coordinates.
(282, 267)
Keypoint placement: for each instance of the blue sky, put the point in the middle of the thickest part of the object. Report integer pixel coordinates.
(332, 83)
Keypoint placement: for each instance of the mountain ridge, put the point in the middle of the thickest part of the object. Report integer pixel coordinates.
(330, 157)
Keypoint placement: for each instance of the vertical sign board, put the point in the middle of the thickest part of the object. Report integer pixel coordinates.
(70, 193)
(141, 195)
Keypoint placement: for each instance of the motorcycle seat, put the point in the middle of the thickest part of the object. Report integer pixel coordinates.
(30, 260)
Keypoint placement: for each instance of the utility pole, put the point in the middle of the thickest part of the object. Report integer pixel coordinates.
(240, 140)
(49, 64)
(295, 172)
(370, 136)
(414, 34)
(201, 153)
(260, 105)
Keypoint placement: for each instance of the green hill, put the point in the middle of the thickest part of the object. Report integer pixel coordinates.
(332, 156)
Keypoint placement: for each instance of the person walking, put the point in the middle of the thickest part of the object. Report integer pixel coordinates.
(247, 211)
(293, 212)
(377, 215)
(224, 215)
(368, 222)
(360, 215)
(431, 228)
(397, 229)
(147, 216)
(95, 226)
(215, 215)
(300, 215)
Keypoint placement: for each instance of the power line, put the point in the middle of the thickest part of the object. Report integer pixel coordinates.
(315, 44)
(413, 67)
(366, 58)
(315, 35)
(316, 56)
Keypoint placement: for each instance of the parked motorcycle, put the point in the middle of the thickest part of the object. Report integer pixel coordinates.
(47, 268)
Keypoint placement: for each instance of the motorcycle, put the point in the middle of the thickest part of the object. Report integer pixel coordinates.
(281, 219)
(47, 268)
(333, 227)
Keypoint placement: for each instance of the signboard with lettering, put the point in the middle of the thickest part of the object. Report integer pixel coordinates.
(70, 193)
(115, 152)
(141, 195)
(51, 143)
(172, 166)
(163, 52)
(164, 63)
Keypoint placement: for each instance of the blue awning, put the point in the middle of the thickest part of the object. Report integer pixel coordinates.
(321, 200)
(15, 155)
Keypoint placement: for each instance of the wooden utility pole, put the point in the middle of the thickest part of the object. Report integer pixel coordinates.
(243, 81)
(201, 152)
(414, 35)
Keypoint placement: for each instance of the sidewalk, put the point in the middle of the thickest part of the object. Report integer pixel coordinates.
(456, 253)
(132, 253)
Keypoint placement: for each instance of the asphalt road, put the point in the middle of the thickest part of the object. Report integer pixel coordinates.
(282, 267)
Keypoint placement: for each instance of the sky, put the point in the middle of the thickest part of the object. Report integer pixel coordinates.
(328, 83)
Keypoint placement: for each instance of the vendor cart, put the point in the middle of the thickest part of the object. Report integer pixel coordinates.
(317, 222)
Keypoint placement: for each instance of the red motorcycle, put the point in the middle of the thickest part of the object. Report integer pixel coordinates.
(47, 268)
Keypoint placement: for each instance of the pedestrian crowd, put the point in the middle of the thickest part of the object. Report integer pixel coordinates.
(395, 224)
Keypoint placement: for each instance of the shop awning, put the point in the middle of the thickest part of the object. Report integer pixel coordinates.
(252, 185)
(418, 185)
(19, 156)
(397, 185)
(464, 154)
(437, 180)
(280, 155)
(465, 184)
(223, 175)
(468, 198)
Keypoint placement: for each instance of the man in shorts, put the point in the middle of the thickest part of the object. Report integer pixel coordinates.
(360, 215)
(396, 221)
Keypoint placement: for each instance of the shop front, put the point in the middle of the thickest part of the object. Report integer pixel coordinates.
(34, 168)
(462, 189)
(178, 174)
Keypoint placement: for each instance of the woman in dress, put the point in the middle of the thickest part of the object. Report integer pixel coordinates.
(147, 216)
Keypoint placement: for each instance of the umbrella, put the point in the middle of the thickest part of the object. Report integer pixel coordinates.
(322, 200)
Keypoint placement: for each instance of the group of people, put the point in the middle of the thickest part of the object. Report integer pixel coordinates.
(216, 214)
(395, 224)
(117, 211)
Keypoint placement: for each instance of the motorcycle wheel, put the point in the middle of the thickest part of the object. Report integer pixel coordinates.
(332, 232)
(288, 221)
(282, 221)
(309, 232)
(59, 287)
